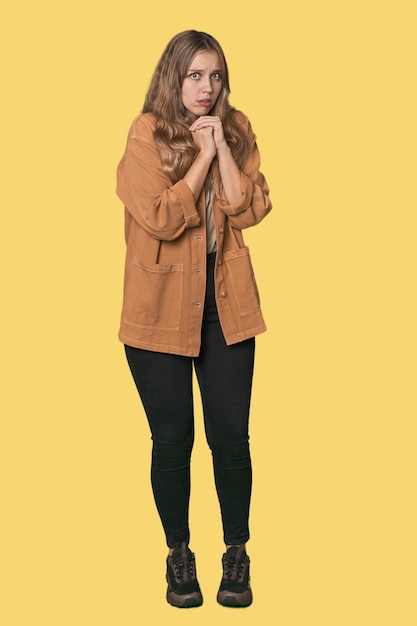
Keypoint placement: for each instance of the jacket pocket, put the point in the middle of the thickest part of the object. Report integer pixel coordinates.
(157, 299)
(242, 280)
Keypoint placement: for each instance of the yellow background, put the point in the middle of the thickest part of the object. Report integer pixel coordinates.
(330, 90)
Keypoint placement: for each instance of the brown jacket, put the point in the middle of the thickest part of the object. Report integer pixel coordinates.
(165, 272)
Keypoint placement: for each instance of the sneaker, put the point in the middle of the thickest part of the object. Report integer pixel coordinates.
(183, 588)
(235, 588)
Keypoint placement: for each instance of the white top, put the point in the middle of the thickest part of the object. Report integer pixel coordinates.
(211, 232)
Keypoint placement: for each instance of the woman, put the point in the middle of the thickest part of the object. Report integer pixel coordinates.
(190, 182)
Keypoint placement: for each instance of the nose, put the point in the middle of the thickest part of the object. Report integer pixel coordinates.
(207, 86)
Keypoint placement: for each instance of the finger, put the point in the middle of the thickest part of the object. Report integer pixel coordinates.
(203, 131)
(205, 121)
(201, 124)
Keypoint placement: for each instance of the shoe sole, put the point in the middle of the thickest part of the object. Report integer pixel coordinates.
(184, 602)
(235, 600)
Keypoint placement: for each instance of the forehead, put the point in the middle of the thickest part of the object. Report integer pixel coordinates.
(206, 59)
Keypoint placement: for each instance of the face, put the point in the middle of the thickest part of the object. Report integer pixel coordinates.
(202, 83)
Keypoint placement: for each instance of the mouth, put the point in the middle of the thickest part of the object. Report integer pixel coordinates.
(204, 103)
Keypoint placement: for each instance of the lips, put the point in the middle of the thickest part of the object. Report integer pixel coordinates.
(204, 103)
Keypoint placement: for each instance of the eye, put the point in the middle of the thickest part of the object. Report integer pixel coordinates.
(194, 75)
(216, 76)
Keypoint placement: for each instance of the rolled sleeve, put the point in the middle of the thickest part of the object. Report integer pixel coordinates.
(255, 203)
(186, 199)
(161, 208)
(246, 187)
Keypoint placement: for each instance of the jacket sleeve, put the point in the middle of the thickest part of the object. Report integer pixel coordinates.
(255, 203)
(162, 209)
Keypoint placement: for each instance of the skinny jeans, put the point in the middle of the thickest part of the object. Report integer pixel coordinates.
(164, 382)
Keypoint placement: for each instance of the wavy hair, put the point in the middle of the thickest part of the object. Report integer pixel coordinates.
(164, 100)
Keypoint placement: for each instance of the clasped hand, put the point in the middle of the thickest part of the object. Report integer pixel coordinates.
(207, 132)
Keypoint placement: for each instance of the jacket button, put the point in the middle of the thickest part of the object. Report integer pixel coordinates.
(219, 262)
(221, 230)
(223, 294)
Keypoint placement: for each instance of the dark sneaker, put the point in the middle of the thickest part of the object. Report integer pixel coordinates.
(183, 588)
(235, 588)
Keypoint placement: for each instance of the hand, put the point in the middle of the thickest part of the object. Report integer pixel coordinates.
(203, 138)
(209, 123)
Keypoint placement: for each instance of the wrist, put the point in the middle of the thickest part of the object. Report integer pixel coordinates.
(223, 148)
(206, 155)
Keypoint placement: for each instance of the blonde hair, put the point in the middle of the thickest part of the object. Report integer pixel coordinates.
(164, 100)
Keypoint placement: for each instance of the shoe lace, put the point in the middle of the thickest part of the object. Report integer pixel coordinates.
(233, 568)
(184, 569)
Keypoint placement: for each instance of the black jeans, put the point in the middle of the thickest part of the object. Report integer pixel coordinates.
(164, 383)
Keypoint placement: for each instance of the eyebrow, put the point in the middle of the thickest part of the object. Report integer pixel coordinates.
(196, 70)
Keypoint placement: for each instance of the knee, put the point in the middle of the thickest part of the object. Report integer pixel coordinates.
(232, 456)
(172, 455)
